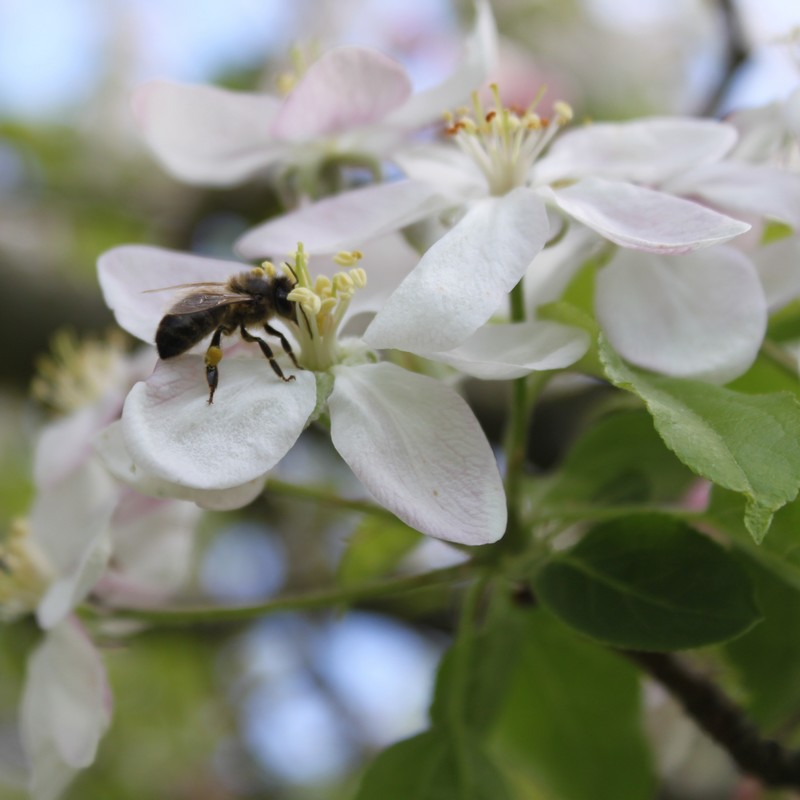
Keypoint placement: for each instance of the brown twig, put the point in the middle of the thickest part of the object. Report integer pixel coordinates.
(765, 759)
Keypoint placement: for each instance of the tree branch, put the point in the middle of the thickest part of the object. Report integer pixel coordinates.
(726, 723)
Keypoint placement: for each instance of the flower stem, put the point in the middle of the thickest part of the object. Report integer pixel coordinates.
(523, 391)
(326, 598)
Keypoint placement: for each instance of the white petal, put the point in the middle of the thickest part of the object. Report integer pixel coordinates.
(751, 189)
(207, 135)
(65, 709)
(172, 432)
(462, 279)
(342, 222)
(501, 352)
(153, 545)
(110, 445)
(70, 523)
(417, 447)
(701, 315)
(762, 132)
(344, 88)
(446, 167)
(552, 270)
(643, 219)
(64, 445)
(644, 151)
(778, 265)
(129, 274)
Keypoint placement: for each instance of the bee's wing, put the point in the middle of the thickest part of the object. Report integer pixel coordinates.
(210, 284)
(203, 301)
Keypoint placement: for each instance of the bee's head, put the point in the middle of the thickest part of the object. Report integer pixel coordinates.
(284, 307)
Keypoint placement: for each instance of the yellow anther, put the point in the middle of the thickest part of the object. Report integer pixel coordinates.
(563, 112)
(213, 356)
(347, 258)
(308, 301)
(269, 269)
(258, 272)
(323, 285)
(359, 277)
(342, 283)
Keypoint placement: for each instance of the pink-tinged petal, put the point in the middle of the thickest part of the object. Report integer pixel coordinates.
(417, 447)
(643, 151)
(65, 709)
(643, 219)
(172, 432)
(69, 521)
(110, 446)
(502, 352)
(477, 63)
(701, 315)
(345, 88)
(778, 265)
(552, 270)
(762, 132)
(751, 189)
(343, 222)
(462, 279)
(446, 167)
(129, 275)
(206, 135)
(153, 546)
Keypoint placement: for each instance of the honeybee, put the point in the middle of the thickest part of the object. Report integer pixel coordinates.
(249, 298)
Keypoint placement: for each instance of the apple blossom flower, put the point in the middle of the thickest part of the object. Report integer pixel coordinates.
(699, 315)
(501, 191)
(411, 440)
(352, 101)
(65, 708)
(80, 514)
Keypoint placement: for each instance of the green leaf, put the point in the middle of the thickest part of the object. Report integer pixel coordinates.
(649, 582)
(430, 767)
(779, 552)
(374, 550)
(766, 657)
(765, 376)
(621, 459)
(571, 721)
(747, 443)
(489, 658)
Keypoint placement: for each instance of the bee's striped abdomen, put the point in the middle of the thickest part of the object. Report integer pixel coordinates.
(178, 332)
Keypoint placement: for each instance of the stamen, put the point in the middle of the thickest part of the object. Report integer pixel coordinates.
(505, 141)
(269, 269)
(78, 373)
(323, 303)
(24, 572)
(348, 258)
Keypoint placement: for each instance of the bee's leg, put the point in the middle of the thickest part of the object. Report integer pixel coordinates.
(267, 351)
(213, 357)
(287, 348)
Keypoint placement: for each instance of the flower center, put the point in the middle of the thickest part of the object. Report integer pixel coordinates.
(504, 142)
(24, 572)
(77, 373)
(321, 305)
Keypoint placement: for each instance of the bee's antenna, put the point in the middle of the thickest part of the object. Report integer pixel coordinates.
(305, 317)
(289, 267)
